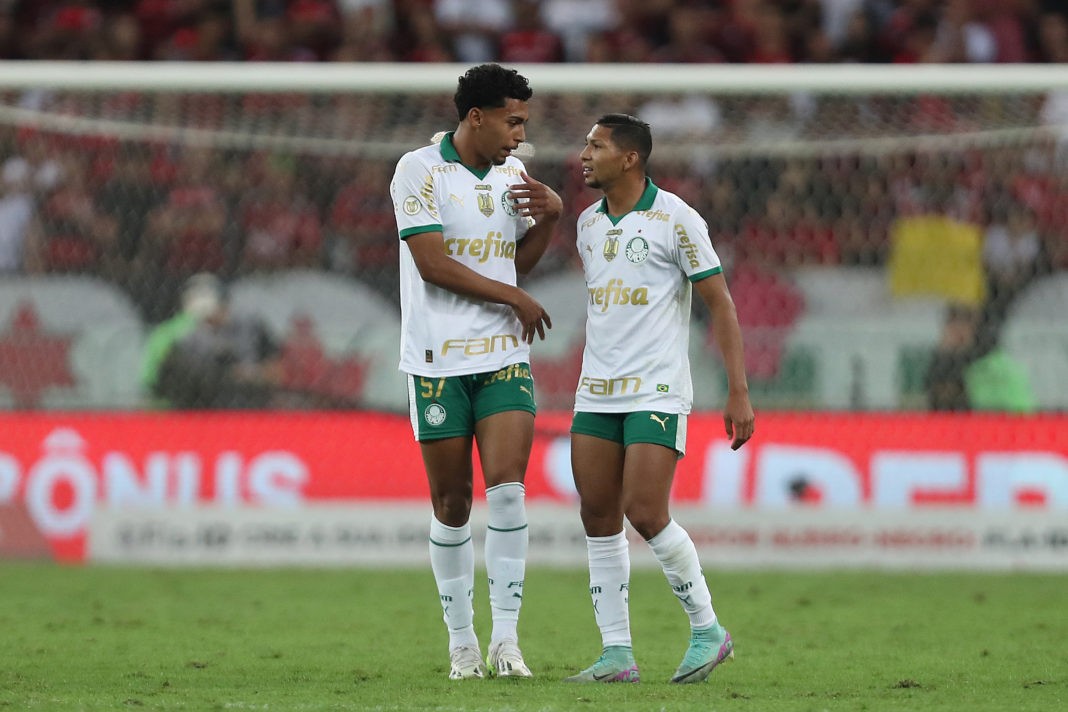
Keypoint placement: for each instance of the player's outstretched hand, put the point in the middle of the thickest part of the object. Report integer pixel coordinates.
(738, 419)
(535, 199)
(532, 316)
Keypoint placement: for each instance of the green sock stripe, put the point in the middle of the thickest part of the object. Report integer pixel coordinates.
(461, 543)
(513, 529)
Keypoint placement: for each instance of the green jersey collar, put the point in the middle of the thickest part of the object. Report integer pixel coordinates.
(448, 152)
(644, 203)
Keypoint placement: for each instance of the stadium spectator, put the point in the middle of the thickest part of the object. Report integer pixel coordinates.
(208, 38)
(377, 13)
(734, 31)
(587, 30)
(944, 379)
(209, 357)
(724, 209)
(771, 40)
(576, 22)
(10, 36)
(1052, 31)
(69, 30)
(280, 223)
(859, 43)
(836, 18)
(693, 116)
(529, 40)
(995, 381)
(16, 212)
(33, 166)
(863, 220)
(120, 40)
(420, 39)
(783, 235)
(367, 32)
(969, 369)
(314, 24)
(189, 231)
(962, 36)
(687, 37)
(1012, 255)
(70, 231)
(361, 229)
(26, 177)
(1053, 223)
(128, 192)
(474, 26)
(279, 31)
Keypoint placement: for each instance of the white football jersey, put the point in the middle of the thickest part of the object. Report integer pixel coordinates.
(639, 268)
(443, 333)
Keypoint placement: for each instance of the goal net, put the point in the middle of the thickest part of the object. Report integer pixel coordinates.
(895, 238)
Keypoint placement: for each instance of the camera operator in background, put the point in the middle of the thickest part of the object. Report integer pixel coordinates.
(209, 357)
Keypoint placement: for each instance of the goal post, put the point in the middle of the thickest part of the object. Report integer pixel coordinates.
(855, 207)
(388, 78)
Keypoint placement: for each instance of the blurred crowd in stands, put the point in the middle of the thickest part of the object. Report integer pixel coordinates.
(512, 31)
(147, 215)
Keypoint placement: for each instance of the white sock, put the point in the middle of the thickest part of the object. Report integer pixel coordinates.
(506, 557)
(452, 558)
(677, 555)
(609, 558)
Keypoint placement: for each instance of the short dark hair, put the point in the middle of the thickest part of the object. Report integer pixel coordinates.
(489, 86)
(629, 133)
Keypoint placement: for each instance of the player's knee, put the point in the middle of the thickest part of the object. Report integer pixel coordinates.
(599, 521)
(502, 474)
(647, 521)
(453, 509)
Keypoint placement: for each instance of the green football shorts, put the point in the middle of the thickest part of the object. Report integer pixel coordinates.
(449, 406)
(642, 426)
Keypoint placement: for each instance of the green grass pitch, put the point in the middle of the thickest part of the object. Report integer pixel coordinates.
(104, 638)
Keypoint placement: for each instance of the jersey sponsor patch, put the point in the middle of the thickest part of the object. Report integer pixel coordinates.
(616, 292)
(688, 247)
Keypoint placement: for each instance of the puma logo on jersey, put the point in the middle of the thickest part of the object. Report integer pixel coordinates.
(663, 422)
(526, 390)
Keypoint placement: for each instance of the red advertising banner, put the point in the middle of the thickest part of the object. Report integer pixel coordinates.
(58, 468)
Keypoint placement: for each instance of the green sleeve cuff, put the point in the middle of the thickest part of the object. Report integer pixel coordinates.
(409, 231)
(698, 276)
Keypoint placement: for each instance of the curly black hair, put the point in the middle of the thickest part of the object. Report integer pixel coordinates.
(629, 133)
(489, 86)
